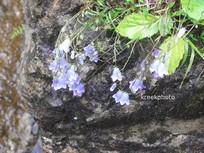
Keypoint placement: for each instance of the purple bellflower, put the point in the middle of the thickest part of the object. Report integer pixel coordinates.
(54, 65)
(65, 46)
(112, 88)
(78, 90)
(91, 53)
(59, 83)
(156, 53)
(136, 85)
(158, 68)
(81, 58)
(89, 50)
(121, 97)
(62, 63)
(142, 64)
(116, 75)
(67, 78)
(58, 65)
(94, 57)
(59, 53)
(64, 73)
(73, 76)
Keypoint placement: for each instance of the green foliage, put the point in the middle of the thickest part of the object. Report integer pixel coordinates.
(137, 20)
(185, 54)
(138, 26)
(165, 25)
(194, 9)
(18, 31)
(107, 15)
(196, 49)
(189, 65)
(142, 25)
(175, 47)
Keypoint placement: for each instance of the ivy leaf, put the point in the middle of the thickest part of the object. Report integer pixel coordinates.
(138, 26)
(175, 47)
(194, 8)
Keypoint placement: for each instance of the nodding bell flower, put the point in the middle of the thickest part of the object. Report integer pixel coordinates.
(158, 68)
(142, 64)
(156, 53)
(81, 58)
(89, 50)
(64, 73)
(136, 85)
(78, 90)
(91, 53)
(116, 75)
(59, 83)
(65, 46)
(121, 97)
(112, 88)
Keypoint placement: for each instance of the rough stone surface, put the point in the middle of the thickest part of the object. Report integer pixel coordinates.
(95, 123)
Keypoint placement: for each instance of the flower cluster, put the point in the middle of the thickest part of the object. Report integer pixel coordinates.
(64, 72)
(66, 63)
(158, 67)
(122, 97)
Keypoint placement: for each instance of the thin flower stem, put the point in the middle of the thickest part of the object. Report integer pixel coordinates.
(115, 49)
(94, 73)
(63, 28)
(133, 47)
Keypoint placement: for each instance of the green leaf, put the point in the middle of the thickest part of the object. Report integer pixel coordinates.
(189, 66)
(120, 8)
(194, 8)
(177, 13)
(165, 25)
(201, 21)
(128, 1)
(171, 5)
(138, 26)
(196, 49)
(18, 31)
(185, 54)
(193, 37)
(101, 3)
(175, 47)
(91, 13)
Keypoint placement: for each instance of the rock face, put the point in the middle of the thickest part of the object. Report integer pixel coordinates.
(95, 123)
